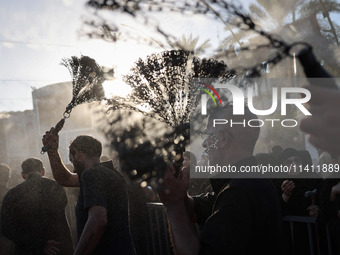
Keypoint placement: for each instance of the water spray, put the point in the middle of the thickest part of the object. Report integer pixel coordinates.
(87, 78)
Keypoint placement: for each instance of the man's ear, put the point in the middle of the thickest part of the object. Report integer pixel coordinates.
(24, 176)
(43, 172)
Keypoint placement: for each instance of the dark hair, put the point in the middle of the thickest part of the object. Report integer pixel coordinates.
(277, 149)
(266, 159)
(87, 145)
(286, 154)
(305, 157)
(5, 171)
(32, 165)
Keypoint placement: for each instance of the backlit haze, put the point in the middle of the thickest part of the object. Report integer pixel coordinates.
(36, 35)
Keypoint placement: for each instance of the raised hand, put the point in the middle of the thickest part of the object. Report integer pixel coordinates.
(173, 190)
(51, 140)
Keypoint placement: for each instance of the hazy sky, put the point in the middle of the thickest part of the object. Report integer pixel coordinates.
(36, 35)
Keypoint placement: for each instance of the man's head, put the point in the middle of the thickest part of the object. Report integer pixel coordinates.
(291, 157)
(84, 152)
(230, 139)
(276, 150)
(5, 172)
(30, 166)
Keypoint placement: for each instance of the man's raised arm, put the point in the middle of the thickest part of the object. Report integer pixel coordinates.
(180, 212)
(60, 173)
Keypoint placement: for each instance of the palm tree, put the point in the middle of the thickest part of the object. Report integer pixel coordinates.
(267, 15)
(326, 7)
(190, 44)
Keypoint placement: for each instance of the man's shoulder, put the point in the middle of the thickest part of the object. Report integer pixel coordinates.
(252, 190)
(11, 193)
(248, 161)
(31, 189)
(48, 180)
(17, 189)
(43, 187)
(43, 182)
(252, 186)
(102, 170)
(250, 182)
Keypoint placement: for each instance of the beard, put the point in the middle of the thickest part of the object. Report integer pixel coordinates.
(79, 167)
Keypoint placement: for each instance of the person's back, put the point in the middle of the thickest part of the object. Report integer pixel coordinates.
(102, 207)
(33, 213)
(103, 186)
(263, 208)
(245, 217)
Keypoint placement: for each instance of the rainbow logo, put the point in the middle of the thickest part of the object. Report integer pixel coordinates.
(213, 90)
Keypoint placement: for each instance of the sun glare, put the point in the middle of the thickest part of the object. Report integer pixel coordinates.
(116, 88)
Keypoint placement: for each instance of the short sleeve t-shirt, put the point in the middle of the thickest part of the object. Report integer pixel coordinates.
(103, 186)
(33, 212)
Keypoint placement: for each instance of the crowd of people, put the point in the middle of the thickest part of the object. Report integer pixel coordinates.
(233, 215)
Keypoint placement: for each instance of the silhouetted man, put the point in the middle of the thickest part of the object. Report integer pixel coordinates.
(33, 213)
(241, 216)
(102, 206)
